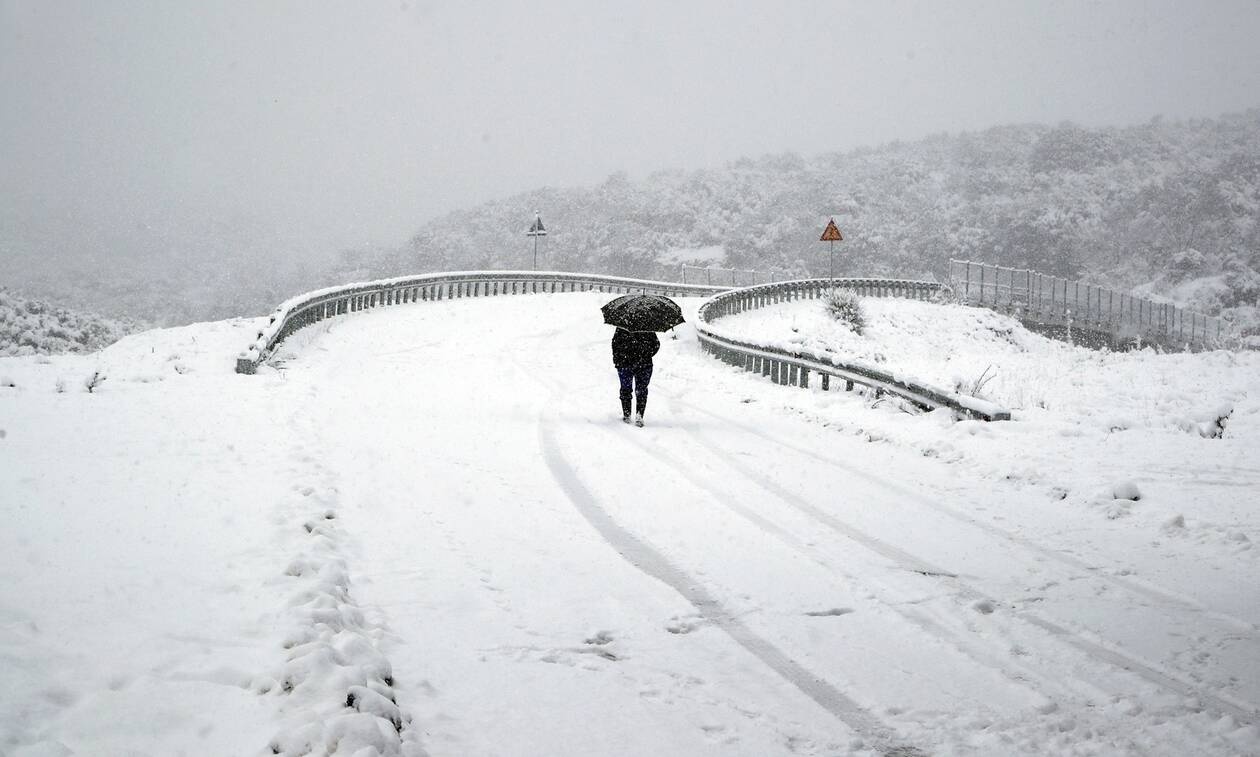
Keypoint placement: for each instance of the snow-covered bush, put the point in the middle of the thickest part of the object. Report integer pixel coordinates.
(845, 306)
(93, 382)
(32, 327)
(974, 387)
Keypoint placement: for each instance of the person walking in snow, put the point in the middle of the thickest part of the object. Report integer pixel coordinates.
(632, 353)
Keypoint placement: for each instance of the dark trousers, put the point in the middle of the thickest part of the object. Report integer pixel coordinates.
(634, 381)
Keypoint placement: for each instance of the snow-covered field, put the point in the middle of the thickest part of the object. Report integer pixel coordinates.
(427, 532)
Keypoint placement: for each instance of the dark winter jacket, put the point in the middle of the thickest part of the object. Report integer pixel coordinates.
(631, 349)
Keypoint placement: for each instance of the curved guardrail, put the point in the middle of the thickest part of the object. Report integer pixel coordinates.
(794, 368)
(313, 307)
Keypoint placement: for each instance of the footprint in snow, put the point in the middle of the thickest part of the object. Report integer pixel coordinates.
(600, 652)
(829, 613)
(681, 626)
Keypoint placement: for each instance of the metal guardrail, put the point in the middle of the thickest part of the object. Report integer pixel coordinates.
(787, 368)
(734, 277)
(313, 307)
(794, 368)
(1051, 301)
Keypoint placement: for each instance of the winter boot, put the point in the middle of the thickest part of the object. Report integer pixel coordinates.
(638, 420)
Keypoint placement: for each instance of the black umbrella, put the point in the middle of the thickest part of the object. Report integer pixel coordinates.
(643, 312)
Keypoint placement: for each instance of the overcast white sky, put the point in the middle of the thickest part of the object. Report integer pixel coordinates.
(324, 124)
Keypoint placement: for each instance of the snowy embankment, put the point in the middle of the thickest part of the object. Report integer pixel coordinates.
(173, 579)
(425, 530)
(1088, 424)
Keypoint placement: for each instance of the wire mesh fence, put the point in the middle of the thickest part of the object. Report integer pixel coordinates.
(1054, 301)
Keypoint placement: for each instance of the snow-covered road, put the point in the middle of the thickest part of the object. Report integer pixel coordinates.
(438, 505)
(725, 579)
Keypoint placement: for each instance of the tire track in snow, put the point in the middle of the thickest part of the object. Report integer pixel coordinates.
(651, 562)
(1244, 712)
(1127, 584)
(1020, 675)
(1015, 674)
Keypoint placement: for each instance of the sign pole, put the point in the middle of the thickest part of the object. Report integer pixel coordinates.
(536, 230)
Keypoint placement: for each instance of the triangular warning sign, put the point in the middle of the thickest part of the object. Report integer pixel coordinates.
(831, 233)
(536, 228)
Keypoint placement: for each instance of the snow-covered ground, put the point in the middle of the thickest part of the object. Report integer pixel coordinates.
(427, 532)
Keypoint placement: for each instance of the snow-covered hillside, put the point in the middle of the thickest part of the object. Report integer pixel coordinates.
(427, 532)
(1166, 209)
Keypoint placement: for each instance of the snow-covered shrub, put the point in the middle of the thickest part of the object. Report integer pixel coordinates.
(93, 382)
(845, 306)
(1126, 490)
(974, 387)
(31, 327)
